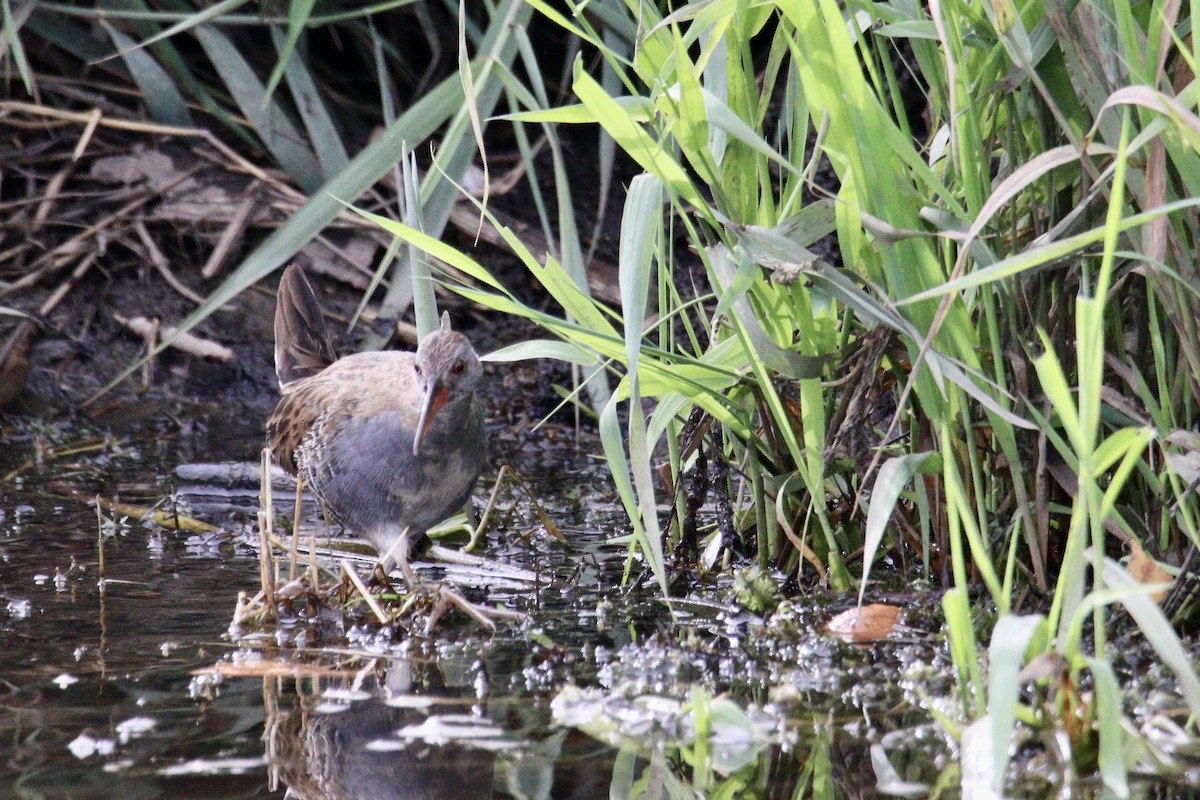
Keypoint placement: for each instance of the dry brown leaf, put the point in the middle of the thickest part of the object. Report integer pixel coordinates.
(1145, 569)
(867, 624)
(1042, 667)
(1185, 465)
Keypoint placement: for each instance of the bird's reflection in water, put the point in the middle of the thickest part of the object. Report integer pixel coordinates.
(387, 743)
(338, 760)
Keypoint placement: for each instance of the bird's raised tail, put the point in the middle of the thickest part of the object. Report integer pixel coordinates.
(302, 343)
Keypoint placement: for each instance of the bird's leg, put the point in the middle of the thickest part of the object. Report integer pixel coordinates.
(445, 596)
(410, 575)
(399, 552)
(448, 596)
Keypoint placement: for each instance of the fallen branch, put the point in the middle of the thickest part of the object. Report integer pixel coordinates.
(187, 342)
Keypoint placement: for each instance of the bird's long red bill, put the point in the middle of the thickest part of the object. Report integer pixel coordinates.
(435, 397)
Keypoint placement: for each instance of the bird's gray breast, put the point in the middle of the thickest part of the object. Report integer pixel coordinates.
(369, 478)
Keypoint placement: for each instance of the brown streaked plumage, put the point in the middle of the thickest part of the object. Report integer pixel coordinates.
(302, 344)
(391, 443)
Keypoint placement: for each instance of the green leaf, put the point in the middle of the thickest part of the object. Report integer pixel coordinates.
(162, 97)
(1112, 733)
(299, 12)
(651, 155)
(1006, 654)
(893, 477)
(12, 26)
(206, 14)
(638, 109)
(314, 113)
(534, 349)
(273, 126)
(1054, 384)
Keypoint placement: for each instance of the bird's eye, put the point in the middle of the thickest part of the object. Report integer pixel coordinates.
(417, 368)
(459, 367)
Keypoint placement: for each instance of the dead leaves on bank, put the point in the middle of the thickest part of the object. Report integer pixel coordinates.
(866, 624)
(875, 622)
(107, 194)
(1144, 569)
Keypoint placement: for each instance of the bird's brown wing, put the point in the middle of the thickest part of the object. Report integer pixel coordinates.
(366, 384)
(302, 344)
(288, 427)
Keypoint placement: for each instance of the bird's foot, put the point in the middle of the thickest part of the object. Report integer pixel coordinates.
(398, 553)
(447, 597)
(442, 596)
(439, 598)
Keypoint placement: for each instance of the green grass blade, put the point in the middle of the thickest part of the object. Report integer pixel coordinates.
(162, 97)
(533, 349)
(653, 156)
(893, 477)
(1006, 655)
(12, 35)
(314, 113)
(299, 13)
(192, 21)
(273, 126)
(640, 239)
(1112, 733)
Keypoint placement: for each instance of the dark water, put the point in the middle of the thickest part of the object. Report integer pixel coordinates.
(133, 686)
(136, 688)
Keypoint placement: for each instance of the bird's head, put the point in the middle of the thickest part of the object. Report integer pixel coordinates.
(446, 369)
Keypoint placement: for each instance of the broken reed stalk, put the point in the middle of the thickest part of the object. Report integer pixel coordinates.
(486, 518)
(265, 521)
(239, 612)
(314, 572)
(100, 543)
(350, 573)
(296, 529)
